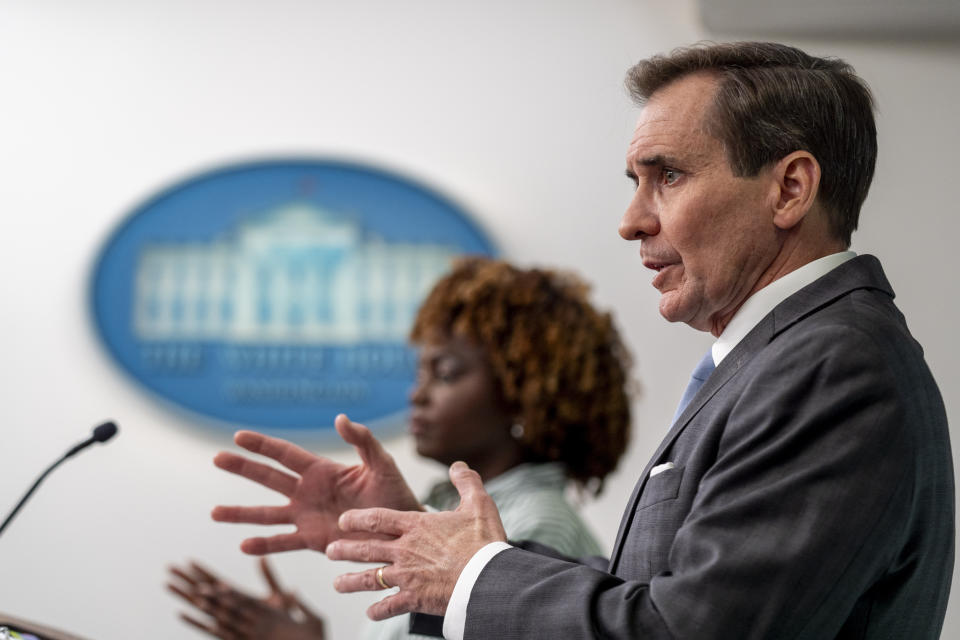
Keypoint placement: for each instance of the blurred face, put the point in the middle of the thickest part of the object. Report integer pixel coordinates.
(456, 413)
(707, 234)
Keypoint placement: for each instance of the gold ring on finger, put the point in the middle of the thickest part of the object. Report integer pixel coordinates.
(380, 580)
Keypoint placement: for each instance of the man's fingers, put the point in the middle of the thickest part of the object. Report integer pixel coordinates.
(360, 550)
(467, 481)
(252, 515)
(372, 453)
(286, 453)
(394, 605)
(273, 544)
(364, 580)
(257, 471)
(376, 520)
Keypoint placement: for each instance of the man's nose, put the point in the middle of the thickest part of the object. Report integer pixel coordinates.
(640, 220)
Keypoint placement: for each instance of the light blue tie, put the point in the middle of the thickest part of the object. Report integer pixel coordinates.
(700, 374)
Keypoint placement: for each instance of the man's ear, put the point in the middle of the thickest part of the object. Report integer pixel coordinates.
(797, 182)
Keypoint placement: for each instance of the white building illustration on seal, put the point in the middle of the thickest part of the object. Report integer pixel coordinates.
(296, 275)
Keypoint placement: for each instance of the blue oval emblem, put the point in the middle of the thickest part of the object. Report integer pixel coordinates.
(277, 294)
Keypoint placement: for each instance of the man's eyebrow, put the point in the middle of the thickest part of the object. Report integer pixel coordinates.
(656, 161)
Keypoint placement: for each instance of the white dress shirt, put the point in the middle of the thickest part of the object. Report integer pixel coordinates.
(753, 310)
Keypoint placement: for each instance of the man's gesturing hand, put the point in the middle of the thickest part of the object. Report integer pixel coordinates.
(428, 552)
(322, 490)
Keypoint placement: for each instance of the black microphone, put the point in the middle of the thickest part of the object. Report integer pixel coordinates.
(101, 433)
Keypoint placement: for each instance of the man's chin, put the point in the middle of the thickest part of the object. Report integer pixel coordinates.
(670, 307)
(672, 311)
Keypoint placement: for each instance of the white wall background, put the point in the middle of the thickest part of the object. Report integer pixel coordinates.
(513, 108)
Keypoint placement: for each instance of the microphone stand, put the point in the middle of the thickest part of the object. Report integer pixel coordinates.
(101, 433)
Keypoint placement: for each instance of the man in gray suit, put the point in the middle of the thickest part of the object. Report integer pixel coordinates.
(805, 490)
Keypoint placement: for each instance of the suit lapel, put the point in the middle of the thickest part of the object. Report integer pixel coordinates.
(754, 341)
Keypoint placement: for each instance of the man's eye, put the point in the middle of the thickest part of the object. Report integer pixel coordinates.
(670, 176)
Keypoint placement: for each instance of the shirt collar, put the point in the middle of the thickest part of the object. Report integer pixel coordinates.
(757, 306)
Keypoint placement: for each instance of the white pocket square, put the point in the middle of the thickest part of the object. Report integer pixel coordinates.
(660, 468)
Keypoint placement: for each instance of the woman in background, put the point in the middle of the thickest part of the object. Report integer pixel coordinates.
(519, 377)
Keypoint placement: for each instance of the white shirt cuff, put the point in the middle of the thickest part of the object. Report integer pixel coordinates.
(455, 618)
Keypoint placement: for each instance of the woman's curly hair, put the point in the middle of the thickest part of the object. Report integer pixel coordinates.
(558, 363)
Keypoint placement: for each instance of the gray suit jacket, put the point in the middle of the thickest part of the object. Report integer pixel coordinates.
(812, 497)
